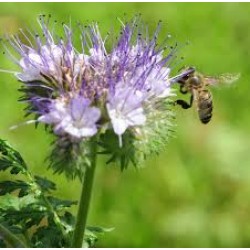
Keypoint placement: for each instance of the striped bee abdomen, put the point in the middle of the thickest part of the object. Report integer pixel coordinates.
(205, 106)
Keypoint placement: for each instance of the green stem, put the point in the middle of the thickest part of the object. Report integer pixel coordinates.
(82, 214)
(10, 238)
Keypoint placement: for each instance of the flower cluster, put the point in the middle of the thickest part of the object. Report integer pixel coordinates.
(81, 94)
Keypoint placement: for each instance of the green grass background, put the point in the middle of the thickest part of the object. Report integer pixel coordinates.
(197, 192)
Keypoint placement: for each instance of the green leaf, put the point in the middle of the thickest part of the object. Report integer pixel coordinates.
(2, 243)
(11, 239)
(90, 239)
(45, 184)
(90, 236)
(68, 219)
(11, 186)
(48, 236)
(16, 229)
(9, 201)
(25, 211)
(11, 159)
(28, 201)
(59, 204)
(24, 205)
(97, 229)
(5, 164)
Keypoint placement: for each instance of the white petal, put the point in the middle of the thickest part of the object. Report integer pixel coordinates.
(35, 58)
(57, 53)
(80, 132)
(45, 119)
(119, 125)
(57, 114)
(50, 118)
(30, 75)
(136, 117)
(23, 63)
(91, 116)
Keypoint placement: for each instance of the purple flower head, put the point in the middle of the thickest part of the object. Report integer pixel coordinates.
(75, 118)
(80, 92)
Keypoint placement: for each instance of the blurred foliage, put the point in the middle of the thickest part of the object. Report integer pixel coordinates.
(197, 192)
(30, 216)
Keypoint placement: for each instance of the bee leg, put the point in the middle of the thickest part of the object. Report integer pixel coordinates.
(184, 104)
(183, 89)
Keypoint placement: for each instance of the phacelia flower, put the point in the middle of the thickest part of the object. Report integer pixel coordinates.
(120, 85)
(75, 118)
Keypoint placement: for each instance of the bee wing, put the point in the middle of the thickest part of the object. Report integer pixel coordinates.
(221, 79)
(181, 75)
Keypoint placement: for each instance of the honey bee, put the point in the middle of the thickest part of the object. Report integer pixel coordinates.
(196, 84)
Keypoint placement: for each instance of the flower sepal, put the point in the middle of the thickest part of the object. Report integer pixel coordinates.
(123, 155)
(70, 157)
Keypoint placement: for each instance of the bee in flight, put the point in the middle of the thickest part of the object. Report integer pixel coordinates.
(196, 84)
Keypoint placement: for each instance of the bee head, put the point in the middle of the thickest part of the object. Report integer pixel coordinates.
(195, 81)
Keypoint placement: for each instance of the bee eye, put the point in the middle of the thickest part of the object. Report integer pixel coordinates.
(195, 81)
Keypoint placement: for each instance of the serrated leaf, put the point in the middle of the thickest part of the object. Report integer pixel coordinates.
(24, 218)
(15, 170)
(10, 152)
(15, 206)
(5, 164)
(9, 201)
(48, 236)
(59, 204)
(24, 205)
(10, 158)
(45, 184)
(68, 219)
(28, 200)
(35, 220)
(11, 186)
(90, 237)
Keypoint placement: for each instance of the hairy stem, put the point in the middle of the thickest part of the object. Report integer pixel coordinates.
(82, 214)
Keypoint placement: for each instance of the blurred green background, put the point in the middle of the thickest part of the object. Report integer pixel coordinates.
(197, 192)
